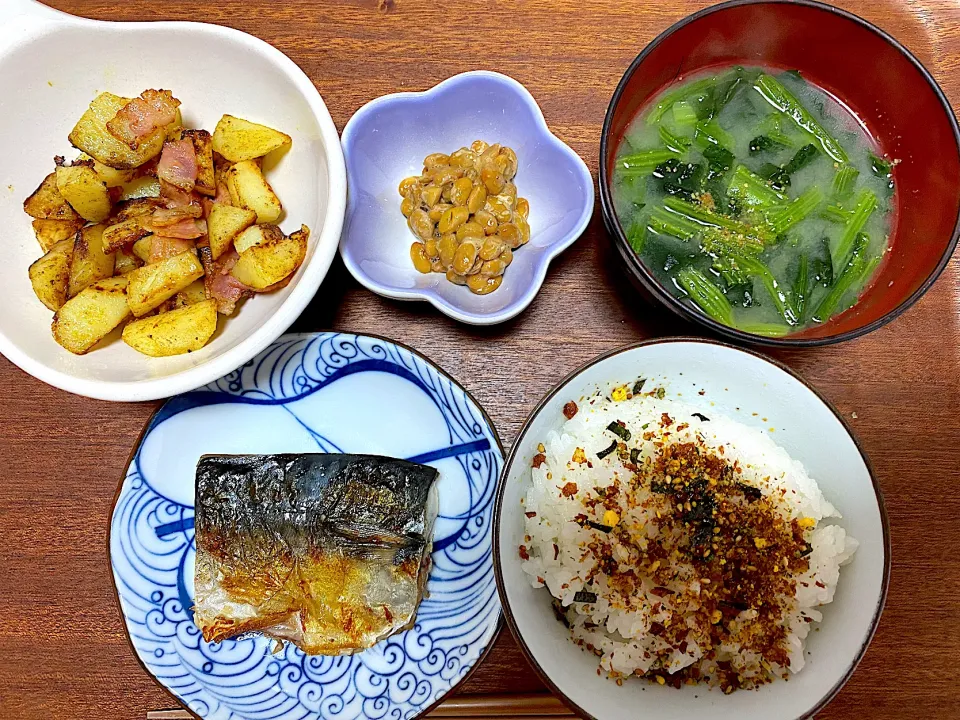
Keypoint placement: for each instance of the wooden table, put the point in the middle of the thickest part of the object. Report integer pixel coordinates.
(63, 652)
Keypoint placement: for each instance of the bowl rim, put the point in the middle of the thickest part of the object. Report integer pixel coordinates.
(525, 428)
(549, 253)
(685, 310)
(484, 653)
(310, 275)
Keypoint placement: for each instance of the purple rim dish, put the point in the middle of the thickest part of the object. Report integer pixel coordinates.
(386, 141)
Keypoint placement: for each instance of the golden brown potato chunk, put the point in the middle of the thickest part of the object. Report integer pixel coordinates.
(261, 266)
(237, 139)
(256, 235)
(126, 262)
(86, 319)
(91, 135)
(203, 148)
(89, 263)
(152, 284)
(46, 202)
(85, 191)
(141, 248)
(50, 232)
(250, 189)
(50, 274)
(224, 224)
(185, 329)
(123, 234)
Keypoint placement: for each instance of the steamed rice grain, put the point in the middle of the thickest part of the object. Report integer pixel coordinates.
(592, 528)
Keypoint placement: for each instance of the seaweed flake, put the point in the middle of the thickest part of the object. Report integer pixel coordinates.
(585, 596)
(701, 416)
(606, 451)
(619, 429)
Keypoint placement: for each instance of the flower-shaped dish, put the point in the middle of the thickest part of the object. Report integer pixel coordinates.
(387, 140)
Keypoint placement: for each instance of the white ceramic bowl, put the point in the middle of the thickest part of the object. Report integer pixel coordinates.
(756, 392)
(51, 66)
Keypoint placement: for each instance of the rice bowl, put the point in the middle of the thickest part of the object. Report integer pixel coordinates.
(635, 587)
(767, 398)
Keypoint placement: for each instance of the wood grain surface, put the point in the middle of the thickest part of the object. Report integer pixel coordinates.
(63, 652)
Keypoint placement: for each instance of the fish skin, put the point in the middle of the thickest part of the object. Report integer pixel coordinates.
(328, 551)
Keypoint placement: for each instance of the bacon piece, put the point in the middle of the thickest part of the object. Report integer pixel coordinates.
(140, 117)
(163, 217)
(178, 164)
(223, 194)
(219, 283)
(162, 247)
(186, 228)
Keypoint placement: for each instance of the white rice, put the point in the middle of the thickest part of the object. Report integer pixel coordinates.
(620, 635)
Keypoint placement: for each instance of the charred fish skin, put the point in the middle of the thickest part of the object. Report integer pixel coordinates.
(328, 551)
(362, 496)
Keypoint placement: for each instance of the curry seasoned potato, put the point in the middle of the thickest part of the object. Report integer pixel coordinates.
(256, 235)
(95, 219)
(192, 294)
(238, 140)
(154, 283)
(50, 275)
(203, 148)
(262, 266)
(225, 223)
(249, 189)
(46, 202)
(85, 191)
(123, 234)
(138, 207)
(141, 248)
(91, 136)
(185, 329)
(111, 177)
(126, 262)
(146, 186)
(89, 262)
(86, 319)
(50, 232)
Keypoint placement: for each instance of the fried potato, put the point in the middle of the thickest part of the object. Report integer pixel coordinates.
(123, 234)
(111, 177)
(126, 262)
(192, 294)
(225, 223)
(249, 189)
(86, 319)
(91, 135)
(156, 282)
(178, 331)
(50, 274)
(237, 139)
(141, 248)
(261, 266)
(89, 262)
(137, 208)
(85, 191)
(203, 148)
(141, 187)
(50, 232)
(46, 202)
(256, 235)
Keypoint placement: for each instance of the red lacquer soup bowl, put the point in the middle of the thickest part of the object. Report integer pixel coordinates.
(878, 79)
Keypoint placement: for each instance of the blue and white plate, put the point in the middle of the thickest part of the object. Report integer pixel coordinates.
(312, 393)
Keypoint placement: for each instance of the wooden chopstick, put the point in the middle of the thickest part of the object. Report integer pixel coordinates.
(501, 706)
(477, 707)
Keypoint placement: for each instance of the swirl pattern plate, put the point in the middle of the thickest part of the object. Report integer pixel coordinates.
(324, 392)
